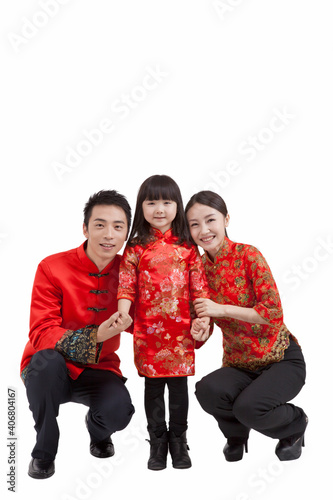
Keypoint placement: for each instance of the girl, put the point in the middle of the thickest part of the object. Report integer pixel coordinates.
(263, 366)
(161, 272)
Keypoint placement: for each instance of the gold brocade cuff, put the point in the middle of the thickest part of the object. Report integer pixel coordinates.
(80, 346)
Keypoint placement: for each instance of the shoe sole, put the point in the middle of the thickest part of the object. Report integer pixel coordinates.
(38, 476)
(156, 468)
(234, 459)
(287, 455)
(102, 455)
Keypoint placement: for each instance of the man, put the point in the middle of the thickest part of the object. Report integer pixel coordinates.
(74, 333)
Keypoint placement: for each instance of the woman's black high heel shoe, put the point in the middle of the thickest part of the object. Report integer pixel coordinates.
(234, 449)
(290, 448)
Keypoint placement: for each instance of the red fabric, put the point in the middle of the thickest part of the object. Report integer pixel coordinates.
(161, 278)
(60, 298)
(239, 275)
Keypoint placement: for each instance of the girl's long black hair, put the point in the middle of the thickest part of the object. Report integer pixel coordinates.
(154, 188)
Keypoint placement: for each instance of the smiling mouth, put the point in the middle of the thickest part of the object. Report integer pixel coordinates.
(105, 245)
(207, 240)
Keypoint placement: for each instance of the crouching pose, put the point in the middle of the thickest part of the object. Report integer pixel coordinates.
(74, 335)
(263, 365)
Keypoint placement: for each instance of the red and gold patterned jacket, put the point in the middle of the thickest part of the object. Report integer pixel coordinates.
(240, 276)
(161, 279)
(70, 299)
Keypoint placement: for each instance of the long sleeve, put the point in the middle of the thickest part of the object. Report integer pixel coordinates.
(198, 281)
(46, 331)
(268, 303)
(128, 275)
(198, 288)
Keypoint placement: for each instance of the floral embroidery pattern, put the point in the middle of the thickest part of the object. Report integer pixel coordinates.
(80, 345)
(161, 279)
(240, 276)
(156, 328)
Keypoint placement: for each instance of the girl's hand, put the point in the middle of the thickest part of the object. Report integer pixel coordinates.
(200, 329)
(206, 307)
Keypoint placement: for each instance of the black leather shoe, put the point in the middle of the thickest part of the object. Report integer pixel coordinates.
(234, 449)
(158, 451)
(290, 448)
(41, 469)
(178, 450)
(103, 449)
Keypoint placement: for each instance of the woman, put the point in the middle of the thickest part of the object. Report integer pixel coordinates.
(263, 366)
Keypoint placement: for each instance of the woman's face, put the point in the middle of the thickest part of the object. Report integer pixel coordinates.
(207, 226)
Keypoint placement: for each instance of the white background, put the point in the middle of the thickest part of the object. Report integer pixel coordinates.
(225, 73)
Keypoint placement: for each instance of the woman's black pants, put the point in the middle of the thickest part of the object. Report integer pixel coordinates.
(241, 400)
(48, 385)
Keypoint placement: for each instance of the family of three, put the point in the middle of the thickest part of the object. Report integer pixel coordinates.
(169, 298)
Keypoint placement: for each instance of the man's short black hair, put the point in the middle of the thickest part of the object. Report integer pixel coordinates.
(110, 197)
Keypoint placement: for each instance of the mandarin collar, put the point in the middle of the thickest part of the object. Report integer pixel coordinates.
(222, 251)
(89, 264)
(157, 233)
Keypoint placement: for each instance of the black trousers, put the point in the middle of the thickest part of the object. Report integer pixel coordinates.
(48, 385)
(155, 405)
(241, 400)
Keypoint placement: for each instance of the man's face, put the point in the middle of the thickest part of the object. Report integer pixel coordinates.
(106, 233)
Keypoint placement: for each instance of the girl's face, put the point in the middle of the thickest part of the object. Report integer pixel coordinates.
(159, 213)
(207, 227)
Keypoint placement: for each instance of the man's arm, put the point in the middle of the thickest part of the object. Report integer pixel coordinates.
(45, 311)
(82, 345)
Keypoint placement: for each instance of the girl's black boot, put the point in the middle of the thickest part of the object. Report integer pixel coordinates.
(179, 451)
(158, 451)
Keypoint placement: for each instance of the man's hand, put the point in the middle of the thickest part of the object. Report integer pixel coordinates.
(118, 322)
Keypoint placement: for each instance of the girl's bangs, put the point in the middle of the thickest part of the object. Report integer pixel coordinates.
(160, 190)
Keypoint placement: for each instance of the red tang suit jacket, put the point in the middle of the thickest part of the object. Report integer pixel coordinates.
(70, 299)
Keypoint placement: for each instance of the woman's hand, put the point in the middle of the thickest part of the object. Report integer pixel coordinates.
(118, 322)
(206, 307)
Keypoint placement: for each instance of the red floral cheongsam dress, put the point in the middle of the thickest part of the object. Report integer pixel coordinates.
(161, 279)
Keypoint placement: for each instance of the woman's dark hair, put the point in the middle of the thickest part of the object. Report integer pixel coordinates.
(154, 188)
(107, 198)
(210, 199)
